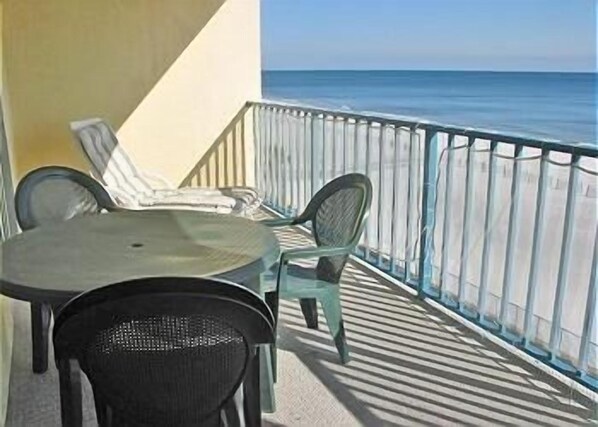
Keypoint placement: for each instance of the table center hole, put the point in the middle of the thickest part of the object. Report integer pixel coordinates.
(137, 245)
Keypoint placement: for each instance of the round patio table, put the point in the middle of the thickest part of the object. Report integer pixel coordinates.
(54, 263)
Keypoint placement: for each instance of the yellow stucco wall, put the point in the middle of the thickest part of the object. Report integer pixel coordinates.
(168, 75)
(6, 321)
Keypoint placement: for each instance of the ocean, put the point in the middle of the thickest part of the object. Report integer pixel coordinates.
(560, 106)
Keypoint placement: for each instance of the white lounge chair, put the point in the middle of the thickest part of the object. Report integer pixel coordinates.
(134, 189)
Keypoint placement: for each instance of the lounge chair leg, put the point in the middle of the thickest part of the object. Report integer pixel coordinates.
(331, 306)
(40, 329)
(309, 308)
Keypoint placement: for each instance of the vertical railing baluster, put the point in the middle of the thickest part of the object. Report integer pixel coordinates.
(285, 165)
(345, 145)
(314, 163)
(561, 287)
(305, 156)
(490, 196)
(537, 243)
(380, 221)
(356, 146)
(261, 167)
(324, 156)
(408, 220)
(278, 159)
(225, 161)
(395, 200)
(256, 146)
(241, 151)
(467, 215)
(293, 162)
(446, 220)
(333, 147)
(284, 162)
(273, 159)
(589, 321)
(298, 152)
(427, 212)
(366, 231)
(512, 233)
(272, 166)
(266, 154)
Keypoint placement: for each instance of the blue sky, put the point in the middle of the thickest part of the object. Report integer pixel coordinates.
(500, 35)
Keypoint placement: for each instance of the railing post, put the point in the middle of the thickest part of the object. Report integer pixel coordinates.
(409, 245)
(381, 187)
(427, 211)
(446, 220)
(366, 230)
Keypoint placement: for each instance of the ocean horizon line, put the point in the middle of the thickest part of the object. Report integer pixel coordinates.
(340, 70)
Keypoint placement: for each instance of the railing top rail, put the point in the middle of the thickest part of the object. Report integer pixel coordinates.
(580, 149)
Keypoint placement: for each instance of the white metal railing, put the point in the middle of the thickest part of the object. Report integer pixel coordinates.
(500, 228)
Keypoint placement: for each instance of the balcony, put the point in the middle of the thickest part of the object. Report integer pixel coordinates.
(411, 364)
(460, 304)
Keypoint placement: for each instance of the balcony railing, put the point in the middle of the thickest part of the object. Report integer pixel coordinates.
(501, 229)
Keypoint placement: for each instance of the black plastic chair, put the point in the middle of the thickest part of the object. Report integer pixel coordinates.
(163, 352)
(337, 214)
(48, 195)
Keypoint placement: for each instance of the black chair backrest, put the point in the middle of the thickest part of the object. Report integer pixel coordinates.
(338, 213)
(164, 351)
(55, 193)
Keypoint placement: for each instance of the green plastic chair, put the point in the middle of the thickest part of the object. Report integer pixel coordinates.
(337, 214)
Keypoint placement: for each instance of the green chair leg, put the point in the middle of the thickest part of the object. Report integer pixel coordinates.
(309, 308)
(268, 401)
(331, 305)
(273, 361)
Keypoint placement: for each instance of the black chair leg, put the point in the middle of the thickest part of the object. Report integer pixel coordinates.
(102, 415)
(40, 329)
(231, 412)
(251, 392)
(70, 393)
(309, 308)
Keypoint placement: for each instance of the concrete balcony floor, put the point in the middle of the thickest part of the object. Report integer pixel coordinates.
(411, 365)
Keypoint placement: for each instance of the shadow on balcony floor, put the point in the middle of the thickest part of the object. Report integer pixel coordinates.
(410, 366)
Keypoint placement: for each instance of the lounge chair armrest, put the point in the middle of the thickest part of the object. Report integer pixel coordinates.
(121, 198)
(314, 252)
(158, 182)
(278, 222)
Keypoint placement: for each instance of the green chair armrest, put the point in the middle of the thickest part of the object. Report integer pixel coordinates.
(314, 252)
(304, 253)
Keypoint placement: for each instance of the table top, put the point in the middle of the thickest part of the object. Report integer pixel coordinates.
(57, 262)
